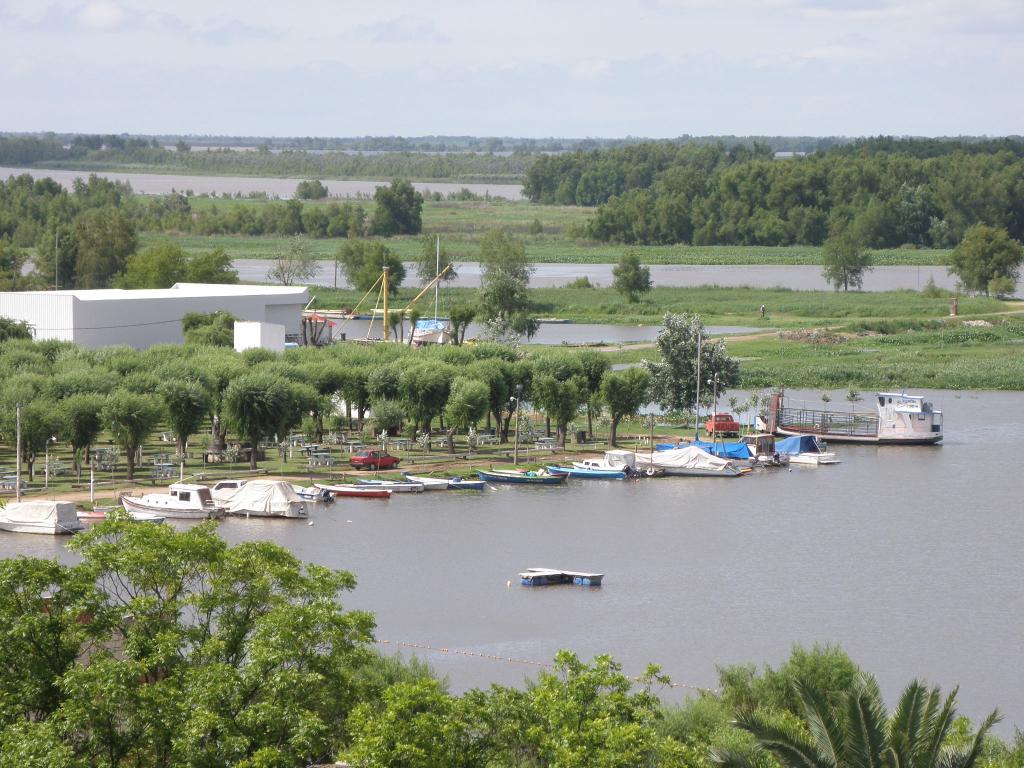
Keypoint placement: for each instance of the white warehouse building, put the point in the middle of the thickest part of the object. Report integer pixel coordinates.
(142, 318)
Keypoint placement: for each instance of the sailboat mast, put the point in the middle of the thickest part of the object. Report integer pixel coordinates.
(437, 272)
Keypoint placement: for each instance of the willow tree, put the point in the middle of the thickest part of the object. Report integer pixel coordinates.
(253, 405)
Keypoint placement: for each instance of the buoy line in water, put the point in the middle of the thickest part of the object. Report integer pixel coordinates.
(511, 660)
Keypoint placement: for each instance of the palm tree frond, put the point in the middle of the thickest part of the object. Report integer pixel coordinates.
(966, 758)
(941, 723)
(824, 725)
(908, 729)
(789, 746)
(866, 720)
(732, 758)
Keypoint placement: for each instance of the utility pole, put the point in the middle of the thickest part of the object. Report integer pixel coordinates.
(17, 474)
(515, 445)
(696, 404)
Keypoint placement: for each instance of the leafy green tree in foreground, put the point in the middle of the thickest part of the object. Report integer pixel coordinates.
(631, 279)
(674, 376)
(857, 732)
(845, 260)
(987, 260)
(200, 654)
(625, 392)
(130, 418)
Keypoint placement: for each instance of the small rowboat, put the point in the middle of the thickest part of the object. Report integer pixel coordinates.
(395, 485)
(428, 483)
(358, 491)
(521, 478)
(588, 474)
(465, 484)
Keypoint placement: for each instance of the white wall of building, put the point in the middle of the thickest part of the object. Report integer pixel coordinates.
(249, 335)
(142, 318)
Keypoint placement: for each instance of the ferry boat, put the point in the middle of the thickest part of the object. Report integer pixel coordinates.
(899, 419)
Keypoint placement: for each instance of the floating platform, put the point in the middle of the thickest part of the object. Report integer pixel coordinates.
(542, 577)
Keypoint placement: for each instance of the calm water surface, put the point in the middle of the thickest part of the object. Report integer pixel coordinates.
(910, 557)
(162, 184)
(797, 277)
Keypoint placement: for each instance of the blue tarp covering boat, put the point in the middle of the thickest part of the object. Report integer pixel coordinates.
(800, 444)
(721, 450)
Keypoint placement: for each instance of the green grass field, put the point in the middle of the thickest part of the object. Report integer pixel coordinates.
(461, 224)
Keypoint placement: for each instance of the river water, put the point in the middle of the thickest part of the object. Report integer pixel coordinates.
(162, 184)
(908, 556)
(797, 277)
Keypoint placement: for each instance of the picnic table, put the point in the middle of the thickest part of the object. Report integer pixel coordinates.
(485, 439)
(321, 459)
(10, 483)
(545, 443)
(351, 446)
(162, 471)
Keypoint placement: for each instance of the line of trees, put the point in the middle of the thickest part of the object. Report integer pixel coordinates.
(76, 395)
(161, 647)
(890, 193)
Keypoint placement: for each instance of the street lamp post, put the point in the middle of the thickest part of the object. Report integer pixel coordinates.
(46, 481)
(517, 398)
(714, 422)
(696, 404)
(17, 449)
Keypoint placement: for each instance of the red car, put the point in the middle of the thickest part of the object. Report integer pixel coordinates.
(370, 459)
(722, 424)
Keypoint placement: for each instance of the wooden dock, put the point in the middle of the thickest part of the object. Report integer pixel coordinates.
(541, 577)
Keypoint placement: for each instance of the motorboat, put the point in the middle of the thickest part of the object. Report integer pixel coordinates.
(355, 490)
(398, 486)
(98, 513)
(806, 449)
(313, 494)
(266, 498)
(41, 516)
(465, 484)
(587, 473)
(428, 483)
(616, 460)
(764, 452)
(225, 489)
(520, 477)
(689, 461)
(183, 501)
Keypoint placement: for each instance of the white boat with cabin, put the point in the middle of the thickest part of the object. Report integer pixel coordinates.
(40, 516)
(183, 501)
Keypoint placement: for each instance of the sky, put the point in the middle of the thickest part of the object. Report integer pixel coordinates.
(540, 68)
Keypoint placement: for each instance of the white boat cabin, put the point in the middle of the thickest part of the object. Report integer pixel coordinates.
(907, 416)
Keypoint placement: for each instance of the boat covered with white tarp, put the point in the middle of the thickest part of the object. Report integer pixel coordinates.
(266, 498)
(690, 461)
(41, 516)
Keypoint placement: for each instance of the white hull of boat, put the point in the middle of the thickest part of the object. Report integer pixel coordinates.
(813, 459)
(430, 483)
(133, 505)
(909, 439)
(397, 487)
(294, 511)
(47, 528)
(684, 472)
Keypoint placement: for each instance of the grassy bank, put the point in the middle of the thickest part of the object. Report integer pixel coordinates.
(461, 224)
(786, 308)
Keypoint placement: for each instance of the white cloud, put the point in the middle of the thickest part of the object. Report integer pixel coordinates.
(591, 68)
(101, 15)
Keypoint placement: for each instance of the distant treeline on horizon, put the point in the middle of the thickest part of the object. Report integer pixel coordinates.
(484, 144)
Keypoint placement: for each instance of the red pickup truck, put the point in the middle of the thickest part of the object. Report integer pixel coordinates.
(722, 424)
(371, 459)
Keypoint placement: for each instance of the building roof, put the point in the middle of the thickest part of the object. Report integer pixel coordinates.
(178, 291)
